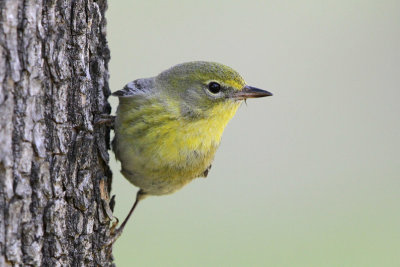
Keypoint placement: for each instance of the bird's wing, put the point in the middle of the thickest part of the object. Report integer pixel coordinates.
(135, 87)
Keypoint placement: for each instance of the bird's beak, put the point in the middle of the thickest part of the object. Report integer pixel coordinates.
(250, 92)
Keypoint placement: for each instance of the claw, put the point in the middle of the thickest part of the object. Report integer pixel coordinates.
(114, 226)
(105, 119)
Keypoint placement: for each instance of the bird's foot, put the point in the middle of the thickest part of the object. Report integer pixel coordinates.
(105, 119)
(115, 233)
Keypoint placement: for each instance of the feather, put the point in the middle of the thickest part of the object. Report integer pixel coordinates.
(135, 87)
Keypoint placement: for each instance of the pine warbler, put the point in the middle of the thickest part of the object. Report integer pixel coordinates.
(168, 127)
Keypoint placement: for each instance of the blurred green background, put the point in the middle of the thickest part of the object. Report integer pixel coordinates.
(308, 177)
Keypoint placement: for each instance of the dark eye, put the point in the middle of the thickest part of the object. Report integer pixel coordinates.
(214, 87)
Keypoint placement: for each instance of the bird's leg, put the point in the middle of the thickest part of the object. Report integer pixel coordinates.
(105, 119)
(139, 196)
(117, 233)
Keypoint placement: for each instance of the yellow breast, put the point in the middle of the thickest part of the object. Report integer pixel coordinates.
(164, 152)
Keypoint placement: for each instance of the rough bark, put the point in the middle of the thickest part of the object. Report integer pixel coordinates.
(54, 174)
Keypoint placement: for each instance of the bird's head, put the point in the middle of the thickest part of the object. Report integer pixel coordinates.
(206, 89)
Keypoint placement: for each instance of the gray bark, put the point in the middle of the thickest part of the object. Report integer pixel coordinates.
(54, 174)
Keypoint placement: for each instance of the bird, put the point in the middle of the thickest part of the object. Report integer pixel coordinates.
(168, 127)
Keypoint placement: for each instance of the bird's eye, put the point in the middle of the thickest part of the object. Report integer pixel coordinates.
(214, 87)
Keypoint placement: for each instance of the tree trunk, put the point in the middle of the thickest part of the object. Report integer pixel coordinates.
(54, 174)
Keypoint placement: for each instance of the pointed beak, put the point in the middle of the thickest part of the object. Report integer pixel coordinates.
(250, 92)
